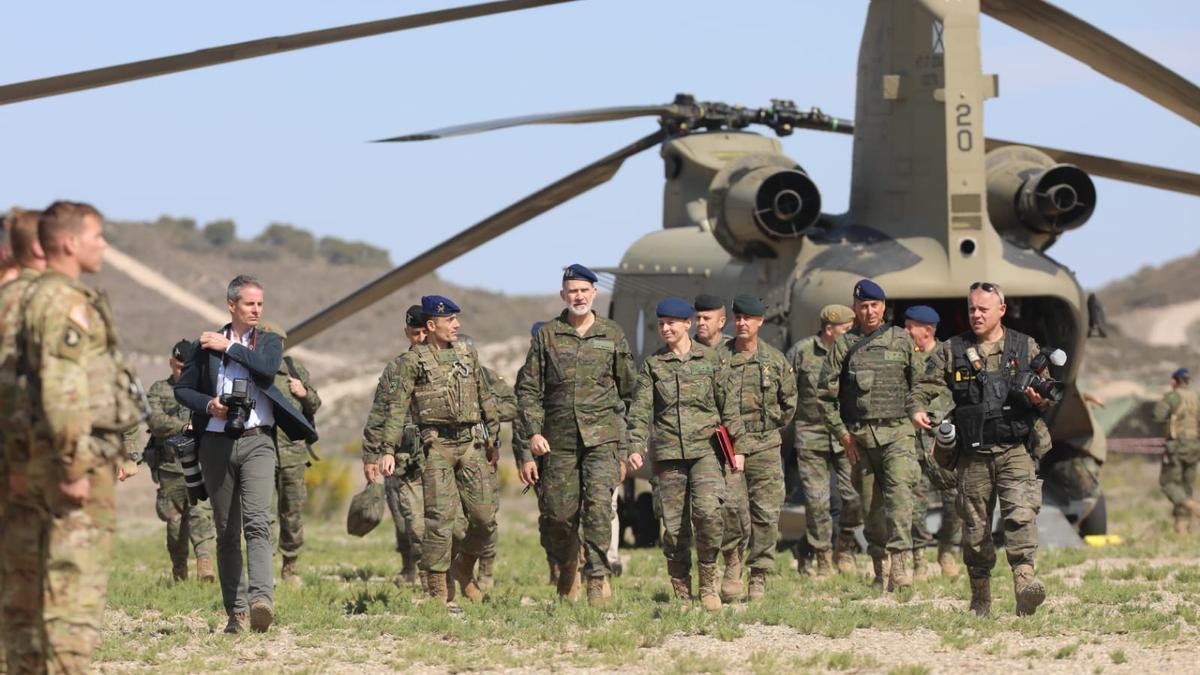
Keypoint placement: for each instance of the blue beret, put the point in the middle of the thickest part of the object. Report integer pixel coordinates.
(674, 308)
(438, 305)
(578, 272)
(537, 325)
(866, 289)
(1181, 374)
(922, 314)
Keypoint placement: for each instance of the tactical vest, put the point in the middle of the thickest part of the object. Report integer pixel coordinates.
(986, 411)
(1184, 423)
(873, 384)
(447, 386)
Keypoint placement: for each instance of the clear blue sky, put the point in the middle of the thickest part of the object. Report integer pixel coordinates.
(283, 138)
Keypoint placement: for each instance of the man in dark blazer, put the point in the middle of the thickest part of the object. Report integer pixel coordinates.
(239, 465)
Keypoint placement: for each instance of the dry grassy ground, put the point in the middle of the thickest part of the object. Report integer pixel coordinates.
(1128, 608)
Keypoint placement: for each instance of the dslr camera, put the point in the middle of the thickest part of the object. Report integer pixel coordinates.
(184, 447)
(240, 403)
(1037, 377)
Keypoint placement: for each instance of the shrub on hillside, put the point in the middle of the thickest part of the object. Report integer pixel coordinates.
(342, 252)
(176, 226)
(220, 232)
(290, 238)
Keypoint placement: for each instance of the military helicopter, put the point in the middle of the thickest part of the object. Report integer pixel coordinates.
(935, 205)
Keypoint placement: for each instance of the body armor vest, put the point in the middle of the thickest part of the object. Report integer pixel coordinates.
(1184, 424)
(447, 387)
(874, 385)
(986, 410)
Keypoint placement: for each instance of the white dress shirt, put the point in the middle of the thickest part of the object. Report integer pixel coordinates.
(263, 413)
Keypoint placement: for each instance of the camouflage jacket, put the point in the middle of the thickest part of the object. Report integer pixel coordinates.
(167, 418)
(679, 402)
(763, 386)
(294, 453)
(881, 372)
(1180, 411)
(807, 358)
(574, 386)
(373, 432)
(506, 396)
(14, 412)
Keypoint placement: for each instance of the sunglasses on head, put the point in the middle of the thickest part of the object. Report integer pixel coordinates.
(988, 287)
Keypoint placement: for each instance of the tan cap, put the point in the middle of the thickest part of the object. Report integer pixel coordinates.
(836, 314)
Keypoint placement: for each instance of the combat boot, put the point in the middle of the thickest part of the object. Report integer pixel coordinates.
(981, 596)
(947, 560)
(920, 568)
(554, 570)
(901, 574)
(436, 586)
(710, 598)
(179, 572)
(681, 580)
(1183, 524)
(596, 591)
(237, 623)
(289, 575)
(843, 556)
(824, 564)
(606, 592)
(881, 567)
(758, 584)
(731, 582)
(408, 573)
(423, 579)
(204, 570)
(487, 571)
(1192, 506)
(1030, 591)
(462, 570)
(568, 579)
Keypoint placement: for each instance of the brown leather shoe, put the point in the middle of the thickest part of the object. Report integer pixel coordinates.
(262, 615)
(237, 623)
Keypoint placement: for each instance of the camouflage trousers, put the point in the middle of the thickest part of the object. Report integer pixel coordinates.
(456, 477)
(406, 500)
(290, 494)
(691, 491)
(185, 523)
(1178, 476)
(735, 517)
(1007, 476)
(763, 476)
(818, 470)
(950, 531)
(460, 524)
(23, 543)
(576, 501)
(886, 476)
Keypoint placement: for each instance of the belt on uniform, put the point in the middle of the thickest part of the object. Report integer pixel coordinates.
(252, 431)
(451, 431)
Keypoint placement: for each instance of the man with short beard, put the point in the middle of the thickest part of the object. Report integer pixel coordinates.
(573, 392)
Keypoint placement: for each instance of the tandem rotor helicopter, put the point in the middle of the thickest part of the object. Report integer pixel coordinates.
(934, 204)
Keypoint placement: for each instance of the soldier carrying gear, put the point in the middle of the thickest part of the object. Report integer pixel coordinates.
(1179, 410)
(998, 432)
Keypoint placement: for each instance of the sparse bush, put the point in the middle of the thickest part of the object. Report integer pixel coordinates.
(220, 232)
(176, 226)
(329, 485)
(290, 238)
(342, 252)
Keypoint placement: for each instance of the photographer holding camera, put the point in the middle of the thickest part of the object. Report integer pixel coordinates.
(997, 378)
(228, 384)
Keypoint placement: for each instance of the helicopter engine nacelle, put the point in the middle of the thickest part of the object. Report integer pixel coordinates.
(758, 201)
(1032, 200)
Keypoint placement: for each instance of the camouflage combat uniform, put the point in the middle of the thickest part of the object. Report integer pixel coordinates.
(819, 455)
(83, 403)
(506, 411)
(574, 390)
(763, 388)
(934, 477)
(290, 488)
(865, 398)
(184, 522)
(1180, 411)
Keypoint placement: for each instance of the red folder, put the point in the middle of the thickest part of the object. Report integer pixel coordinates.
(726, 444)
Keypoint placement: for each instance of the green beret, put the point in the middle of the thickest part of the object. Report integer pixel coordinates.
(744, 303)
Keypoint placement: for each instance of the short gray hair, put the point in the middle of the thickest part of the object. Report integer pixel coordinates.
(234, 292)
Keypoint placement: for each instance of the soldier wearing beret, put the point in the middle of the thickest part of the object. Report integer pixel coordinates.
(1179, 412)
(681, 400)
(819, 454)
(921, 323)
(574, 390)
(864, 382)
(528, 471)
(762, 386)
(441, 387)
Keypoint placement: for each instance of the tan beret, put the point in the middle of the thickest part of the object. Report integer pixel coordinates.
(836, 314)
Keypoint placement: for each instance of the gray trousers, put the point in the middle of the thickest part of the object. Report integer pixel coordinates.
(240, 479)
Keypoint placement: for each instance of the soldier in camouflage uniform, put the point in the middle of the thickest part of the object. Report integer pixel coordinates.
(1179, 410)
(185, 522)
(763, 388)
(681, 399)
(440, 383)
(84, 397)
(866, 377)
(998, 438)
(921, 323)
(21, 522)
(527, 471)
(506, 410)
(575, 387)
(819, 454)
(293, 381)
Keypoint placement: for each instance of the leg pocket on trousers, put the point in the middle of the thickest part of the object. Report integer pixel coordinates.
(165, 509)
(1025, 512)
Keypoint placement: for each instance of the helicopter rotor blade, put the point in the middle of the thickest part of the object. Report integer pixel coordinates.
(585, 116)
(1099, 50)
(595, 174)
(138, 70)
(1118, 169)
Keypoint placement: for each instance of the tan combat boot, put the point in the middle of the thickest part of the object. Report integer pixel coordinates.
(681, 581)
(731, 582)
(462, 570)
(981, 596)
(487, 572)
(1183, 524)
(947, 560)
(881, 567)
(758, 584)
(710, 598)
(843, 556)
(595, 591)
(436, 586)
(606, 592)
(1030, 591)
(204, 570)
(568, 580)
(1192, 506)
(824, 564)
(901, 572)
(920, 568)
(289, 575)
(179, 572)
(423, 579)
